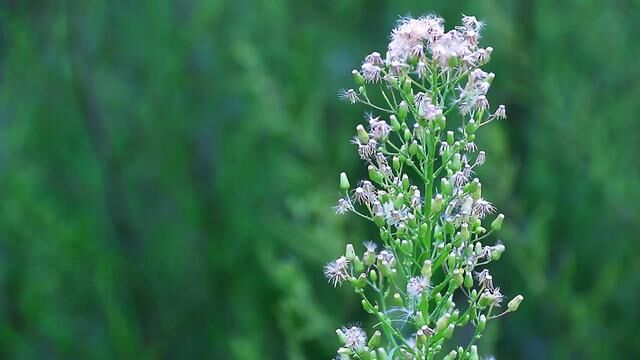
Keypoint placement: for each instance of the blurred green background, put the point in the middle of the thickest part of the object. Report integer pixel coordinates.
(168, 168)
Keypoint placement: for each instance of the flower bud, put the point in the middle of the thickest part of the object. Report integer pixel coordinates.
(465, 234)
(515, 303)
(445, 186)
(451, 260)
(496, 252)
(457, 279)
(358, 265)
(350, 253)
(482, 322)
(396, 163)
(363, 136)
(357, 77)
(373, 275)
(473, 355)
(407, 135)
(395, 125)
(450, 138)
(497, 223)
(344, 181)
(436, 204)
(441, 121)
(382, 354)
(374, 174)
(361, 282)
(480, 230)
(403, 110)
(471, 127)
(450, 356)
(485, 299)
(397, 299)
(426, 269)
(472, 186)
(369, 257)
(406, 86)
(406, 247)
(448, 332)
(443, 321)
(413, 148)
(375, 340)
(468, 280)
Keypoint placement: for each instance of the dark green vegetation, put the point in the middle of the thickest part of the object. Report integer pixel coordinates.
(167, 171)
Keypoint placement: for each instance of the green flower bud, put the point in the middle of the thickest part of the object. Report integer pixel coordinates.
(373, 355)
(395, 125)
(468, 280)
(497, 223)
(357, 77)
(396, 163)
(378, 220)
(450, 356)
(361, 282)
(445, 186)
(515, 303)
(464, 320)
(397, 299)
(362, 90)
(375, 175)
(406, 247)
(437, 204)
(451, 260)
(455, 315)
(465, 234)
(406, 87)
(473, 355)
(363, 136)
(382, 354)
(482, 322)
(358, 265)
(472, 186)
(407, 135)
(441, 121)
(471, 127)
(480, 230)
(349, 253)
(369, 257)
(373, 275)
(438, 233)
(486, 298)
(450, 138)
(344, 181)
(477, 194)
(405, 182)
(456, 163)
(496, 252)
(443, 321)
(374, 342)
(403, 110)
(426, 269)
(448, 332)
(457, 279)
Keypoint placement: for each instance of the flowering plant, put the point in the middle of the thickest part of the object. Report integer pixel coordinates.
(428, 277)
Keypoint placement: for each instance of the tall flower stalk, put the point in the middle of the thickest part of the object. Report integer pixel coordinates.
(425, 277)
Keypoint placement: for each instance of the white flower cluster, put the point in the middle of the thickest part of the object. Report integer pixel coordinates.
(422, 194)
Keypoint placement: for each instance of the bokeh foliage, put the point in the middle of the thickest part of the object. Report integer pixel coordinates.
(167, 171)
